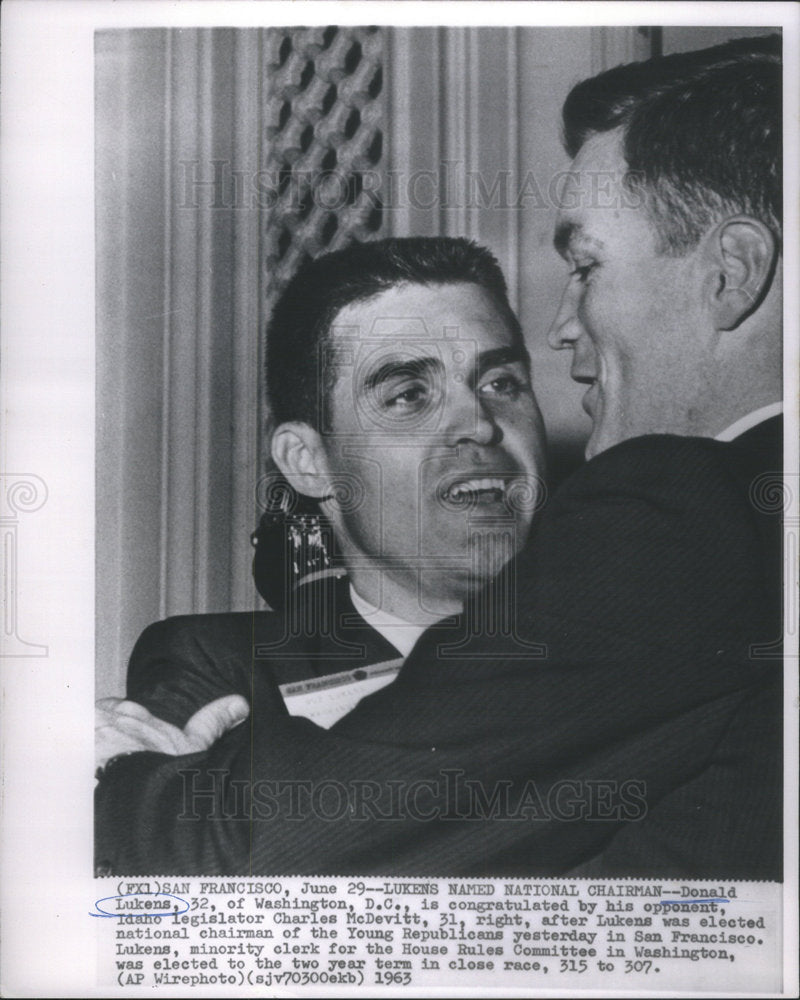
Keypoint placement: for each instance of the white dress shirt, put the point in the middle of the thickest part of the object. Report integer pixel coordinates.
(401, 634)
(750, 420)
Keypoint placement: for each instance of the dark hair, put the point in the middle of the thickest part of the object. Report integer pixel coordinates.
(702, 134)
(304, 313)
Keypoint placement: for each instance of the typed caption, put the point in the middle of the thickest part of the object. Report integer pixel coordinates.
(247, 934)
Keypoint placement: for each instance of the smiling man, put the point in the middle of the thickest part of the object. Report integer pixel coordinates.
(427, 413)
(672, 230)
(673, 312)
(400, 389)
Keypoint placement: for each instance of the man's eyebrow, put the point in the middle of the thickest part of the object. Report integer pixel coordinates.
(400, 368)
(501, 356)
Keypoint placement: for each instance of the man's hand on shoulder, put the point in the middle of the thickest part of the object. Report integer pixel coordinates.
(123, 727)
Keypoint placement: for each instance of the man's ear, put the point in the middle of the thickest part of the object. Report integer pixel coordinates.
(298, 452)
(744, 255)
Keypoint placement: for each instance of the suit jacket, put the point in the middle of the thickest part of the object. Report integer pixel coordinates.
(183, 663)
(622, 718)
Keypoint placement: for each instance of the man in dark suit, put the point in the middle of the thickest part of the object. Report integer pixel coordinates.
(674, 316)
(410, 449)
(407, 427)
(624, 717)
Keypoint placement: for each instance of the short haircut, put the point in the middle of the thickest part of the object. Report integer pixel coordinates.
(304, 314)
(702, 134)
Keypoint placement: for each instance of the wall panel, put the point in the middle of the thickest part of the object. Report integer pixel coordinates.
(178, 328)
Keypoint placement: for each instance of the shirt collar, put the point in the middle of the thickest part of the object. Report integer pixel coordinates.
(750, 420)
(401, 634)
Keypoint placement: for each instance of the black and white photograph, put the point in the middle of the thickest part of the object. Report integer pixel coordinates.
(575, 676)
(436, 443)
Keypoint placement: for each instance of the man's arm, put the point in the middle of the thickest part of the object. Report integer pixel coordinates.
(643, 585)
(727, 817)
(186, 671)
(182, 664)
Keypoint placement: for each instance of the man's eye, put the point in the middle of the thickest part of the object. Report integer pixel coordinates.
(503, 385)
(407, 398)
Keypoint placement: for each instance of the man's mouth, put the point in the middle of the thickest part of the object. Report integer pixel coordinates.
(590, 396)
(484, 489)
(590, 399)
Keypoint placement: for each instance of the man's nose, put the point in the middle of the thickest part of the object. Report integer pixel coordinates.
(566, 327)
(469, 419)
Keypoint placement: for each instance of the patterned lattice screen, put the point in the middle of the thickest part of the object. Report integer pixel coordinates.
(324, 131)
